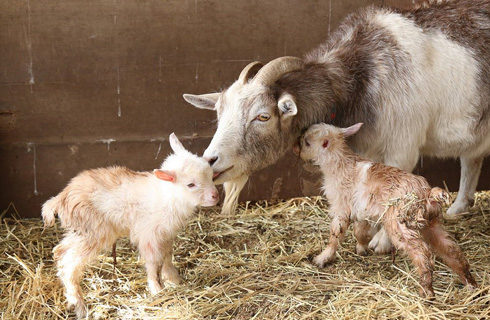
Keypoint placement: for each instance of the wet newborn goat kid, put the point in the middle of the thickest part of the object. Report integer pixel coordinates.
(101, 205)
(370, 193)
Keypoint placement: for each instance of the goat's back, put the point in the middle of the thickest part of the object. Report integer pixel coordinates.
(419, 79)
(99, 197)
(380, 188)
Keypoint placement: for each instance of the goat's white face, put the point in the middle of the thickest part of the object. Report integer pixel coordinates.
(253, 128)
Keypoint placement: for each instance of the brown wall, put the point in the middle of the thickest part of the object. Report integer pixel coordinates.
(86, 84)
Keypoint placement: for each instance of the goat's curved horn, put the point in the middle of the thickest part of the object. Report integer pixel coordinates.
(272, 71)
(249, 71)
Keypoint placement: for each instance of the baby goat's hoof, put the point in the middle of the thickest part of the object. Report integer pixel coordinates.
(79, 308)
(323, 259)
(173, 283)
(427, 294)
(154, 287)
(171, 276)
(361, 250)
(381, 243)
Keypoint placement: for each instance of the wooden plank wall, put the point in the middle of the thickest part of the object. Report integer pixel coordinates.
(87, 84)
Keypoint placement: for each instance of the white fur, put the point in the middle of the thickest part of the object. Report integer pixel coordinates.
(441, 117)
(360, 202)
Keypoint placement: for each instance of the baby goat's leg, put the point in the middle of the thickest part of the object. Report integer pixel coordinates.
(338, 226)
(449, 251)
(153, 260)
(71, 255)
(380, 243)
(168, 271)
(401, 155)
(417, 249)
(362, 233)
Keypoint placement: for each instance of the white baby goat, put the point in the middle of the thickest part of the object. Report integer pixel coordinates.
(369, 193)
(101, 205)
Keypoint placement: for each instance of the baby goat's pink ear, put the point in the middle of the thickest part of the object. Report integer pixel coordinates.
(165, 175)
(352, 129)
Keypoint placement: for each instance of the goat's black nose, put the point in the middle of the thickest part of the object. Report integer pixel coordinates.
(211, 160)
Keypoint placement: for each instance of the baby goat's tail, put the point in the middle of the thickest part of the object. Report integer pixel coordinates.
(436, 198)
(50, 208)
(439, 195)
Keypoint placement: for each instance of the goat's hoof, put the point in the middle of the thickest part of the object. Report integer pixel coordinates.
(172, 283)
(456, 210)
(79, 308)
(380, 244)
(321, 260)
(173, 280)
(154, 288)
(361, 250)
(427, 294)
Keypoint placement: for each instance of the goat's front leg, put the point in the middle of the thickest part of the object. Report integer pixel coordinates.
(338, 226)
(470, 172)
(168, 271)
(363, 234)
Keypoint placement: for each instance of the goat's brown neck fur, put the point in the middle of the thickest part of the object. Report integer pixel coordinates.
(342, 78)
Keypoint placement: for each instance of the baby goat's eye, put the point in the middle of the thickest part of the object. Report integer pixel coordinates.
(191, 185)
(263, 117)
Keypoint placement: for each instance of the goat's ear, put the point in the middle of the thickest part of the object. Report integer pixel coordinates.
(203, 101)
(175, 143)
(297, 147)
(287, 106)
(165, 175)
(352, 129)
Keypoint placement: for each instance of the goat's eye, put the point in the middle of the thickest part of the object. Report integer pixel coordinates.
(263, 117)
(191, 185)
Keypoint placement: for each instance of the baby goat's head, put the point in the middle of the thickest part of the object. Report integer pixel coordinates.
(322, 141)
(190, 174)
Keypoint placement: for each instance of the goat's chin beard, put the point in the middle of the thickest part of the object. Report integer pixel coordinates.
(221, 179)
(227, 175)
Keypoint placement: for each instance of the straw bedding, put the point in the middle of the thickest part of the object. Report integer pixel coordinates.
(253, 265)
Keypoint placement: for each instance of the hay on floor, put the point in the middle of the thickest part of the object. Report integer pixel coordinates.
(253, 265)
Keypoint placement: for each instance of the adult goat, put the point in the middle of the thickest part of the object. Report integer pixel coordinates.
(419, 80)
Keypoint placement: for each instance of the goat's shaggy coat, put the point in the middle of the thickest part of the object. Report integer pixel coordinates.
(370, 193)
(101, 205)
(419, 79)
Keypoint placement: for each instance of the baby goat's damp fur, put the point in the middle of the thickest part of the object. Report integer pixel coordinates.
(369, 194)
(101, 205)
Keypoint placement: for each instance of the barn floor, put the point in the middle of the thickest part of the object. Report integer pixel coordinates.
(253, 265)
